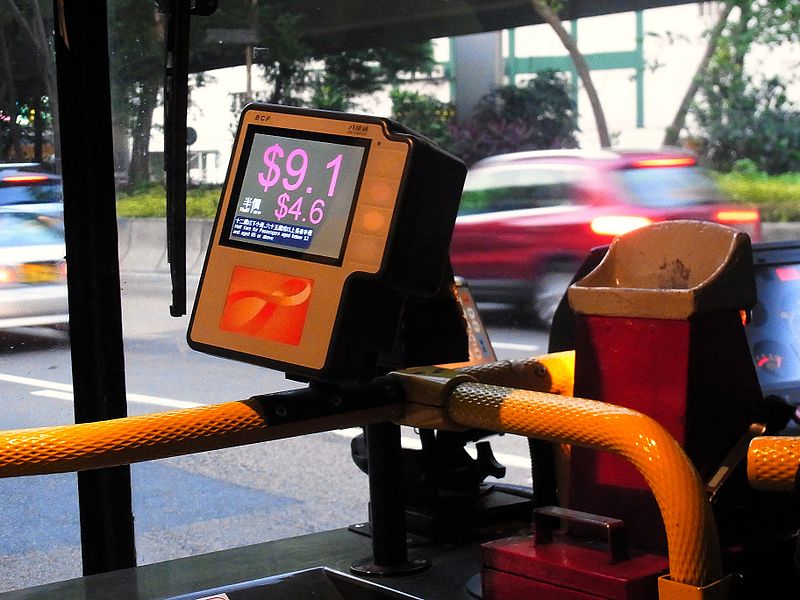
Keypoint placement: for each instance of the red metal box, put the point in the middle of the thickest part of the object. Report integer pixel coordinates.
(562, 566)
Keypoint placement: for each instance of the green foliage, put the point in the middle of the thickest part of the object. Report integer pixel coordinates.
(285, 55)
(27, 78)
(340, 77)
(536, 116)
(749, 117)
(424, 114)
(745, 166)
(327, 96)
(150, 201)
(18, 128)
(346, 75)
(741, 119)
(135, 57)
(778, 196)
(772, 22)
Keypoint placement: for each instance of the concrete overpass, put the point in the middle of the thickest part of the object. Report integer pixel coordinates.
(331, 27)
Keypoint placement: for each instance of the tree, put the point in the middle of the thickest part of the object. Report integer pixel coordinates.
(298, 75)
(347, 75)
(33, 37)
(424, 114)
(136, 40)
(539, 115)
(766, 22)
(137, 55)
(746, 120)
(672, 133)
(284, 55)
(137, 59)
(742, 113)
(547, 10)
(10, 142)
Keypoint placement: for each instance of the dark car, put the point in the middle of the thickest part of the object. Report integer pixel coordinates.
(528, 219)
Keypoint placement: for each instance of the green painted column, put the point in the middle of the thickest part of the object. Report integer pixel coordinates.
(511, 62)
(573, 72)
(640, 69)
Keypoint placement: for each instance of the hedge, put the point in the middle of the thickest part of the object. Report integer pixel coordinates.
(777, 196)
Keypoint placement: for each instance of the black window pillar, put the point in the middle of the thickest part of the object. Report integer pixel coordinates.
(95, 313)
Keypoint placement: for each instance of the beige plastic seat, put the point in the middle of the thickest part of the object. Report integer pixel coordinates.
(670, 270)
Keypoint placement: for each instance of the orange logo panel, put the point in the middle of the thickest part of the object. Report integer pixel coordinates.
(267, 305)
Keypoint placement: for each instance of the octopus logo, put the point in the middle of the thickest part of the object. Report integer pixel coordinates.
(267, 305)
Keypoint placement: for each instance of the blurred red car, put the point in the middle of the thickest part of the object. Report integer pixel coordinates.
(528, 219)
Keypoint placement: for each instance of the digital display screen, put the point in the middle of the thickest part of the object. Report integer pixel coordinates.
(774, 329)
(296, 193)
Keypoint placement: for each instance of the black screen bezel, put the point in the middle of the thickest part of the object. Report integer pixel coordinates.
(247, 146)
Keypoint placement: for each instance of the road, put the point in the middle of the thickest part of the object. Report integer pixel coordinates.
(192, 504)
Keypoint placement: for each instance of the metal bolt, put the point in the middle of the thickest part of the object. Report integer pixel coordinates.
(281, 411)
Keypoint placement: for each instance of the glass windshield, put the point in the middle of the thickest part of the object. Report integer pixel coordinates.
(672, 186)
(478, 79)
(495, 189)
(30, 194)
(40, 542)
(774, 331)
(27, 230)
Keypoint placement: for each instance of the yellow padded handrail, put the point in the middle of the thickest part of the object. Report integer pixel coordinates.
(65, 448)
(772, 462)
(692, 540)
(691, 532)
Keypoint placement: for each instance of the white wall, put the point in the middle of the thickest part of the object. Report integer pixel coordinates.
(211, 115)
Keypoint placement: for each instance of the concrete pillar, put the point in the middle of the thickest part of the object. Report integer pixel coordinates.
(481, 56)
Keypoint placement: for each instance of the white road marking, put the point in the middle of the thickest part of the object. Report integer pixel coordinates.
(138, 398)
(63, 391)
(509, 460)
(156, 401)
(53, 394)
(65, 387)
(523, 347)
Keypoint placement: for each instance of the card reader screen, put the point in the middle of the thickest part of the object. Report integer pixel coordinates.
(296, 193)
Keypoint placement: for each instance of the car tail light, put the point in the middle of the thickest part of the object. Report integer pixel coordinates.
(788, 273)
(737, 216)
(617, 224)
(679, 161)
(25, 178)
(7, 275)
(746, 220)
